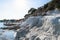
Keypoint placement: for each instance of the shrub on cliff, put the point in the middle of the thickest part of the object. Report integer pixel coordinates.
(57, 5)
(47, 7)
(31, 10)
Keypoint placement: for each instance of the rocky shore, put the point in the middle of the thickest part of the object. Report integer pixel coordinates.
(42, 23)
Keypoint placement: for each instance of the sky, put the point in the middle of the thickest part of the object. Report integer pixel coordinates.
(16, 9)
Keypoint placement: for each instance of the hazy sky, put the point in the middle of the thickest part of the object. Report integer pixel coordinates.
(16, 9)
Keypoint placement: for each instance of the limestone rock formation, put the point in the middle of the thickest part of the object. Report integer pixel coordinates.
(41, 24)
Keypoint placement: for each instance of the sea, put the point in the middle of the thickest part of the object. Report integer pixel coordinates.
(7, 34)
